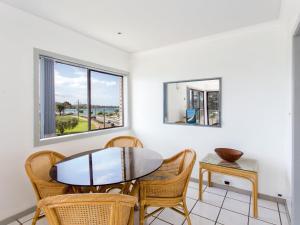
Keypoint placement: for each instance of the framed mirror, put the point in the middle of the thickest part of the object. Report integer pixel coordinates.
(193, 102)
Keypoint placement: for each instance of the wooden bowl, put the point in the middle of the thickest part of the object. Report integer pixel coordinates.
(228, 154)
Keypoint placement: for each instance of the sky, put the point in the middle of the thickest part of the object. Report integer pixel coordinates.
(71, 86)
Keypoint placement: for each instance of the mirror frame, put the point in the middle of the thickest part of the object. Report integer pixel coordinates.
(165, 102)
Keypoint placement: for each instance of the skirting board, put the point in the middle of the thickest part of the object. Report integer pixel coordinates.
(246, 192)
(17, 216)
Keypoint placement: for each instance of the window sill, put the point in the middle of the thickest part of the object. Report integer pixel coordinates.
(58, 139)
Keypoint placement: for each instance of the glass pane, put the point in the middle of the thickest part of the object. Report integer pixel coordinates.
(213, 107)
(201, 93)
(190, 98)
(70, 99)
(106, 101)
(196, 100)
(198, 104)
(242, 163)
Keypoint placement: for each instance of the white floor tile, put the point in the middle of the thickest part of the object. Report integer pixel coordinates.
(217, 191)
(192, 193)
(253, 221)
(267, 204)
(26, 218)
(267, 215)
(151, 209)
(190, 203)
(14, 223)
(172, 217)
(194, 185)
(231, 218)
(237, 196)
(197, 220)
(236, 206)
(284, 218)
(42, 221)
(205, 210)
(213, 199)
(159, 222)
(282, 208)
(137, 218)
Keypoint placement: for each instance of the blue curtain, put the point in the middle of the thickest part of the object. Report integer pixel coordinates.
(47, 98)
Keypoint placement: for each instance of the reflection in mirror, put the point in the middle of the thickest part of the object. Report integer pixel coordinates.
(196, 102)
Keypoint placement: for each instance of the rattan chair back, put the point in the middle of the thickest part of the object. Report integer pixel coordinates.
(89, 209)
(124, 141)
(37, 168)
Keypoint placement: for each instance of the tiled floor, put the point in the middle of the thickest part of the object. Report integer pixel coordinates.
(219, 207)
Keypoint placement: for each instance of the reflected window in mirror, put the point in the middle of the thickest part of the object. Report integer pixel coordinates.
(213, 107)
(195, 102)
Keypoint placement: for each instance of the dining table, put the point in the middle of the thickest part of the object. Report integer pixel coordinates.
(102, 167)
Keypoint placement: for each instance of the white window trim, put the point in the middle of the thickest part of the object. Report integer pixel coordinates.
(37, 117)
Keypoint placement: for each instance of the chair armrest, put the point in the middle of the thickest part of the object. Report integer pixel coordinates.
(47, 188)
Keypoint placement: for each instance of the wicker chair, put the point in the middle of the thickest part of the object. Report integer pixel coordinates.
(37, 168)
(167, 186)
(124, 141)
(89, 209)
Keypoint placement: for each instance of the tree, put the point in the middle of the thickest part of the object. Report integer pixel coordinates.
(65, 123)
(60, 107)
(67, 105)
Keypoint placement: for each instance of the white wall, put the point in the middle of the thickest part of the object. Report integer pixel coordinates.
(20, 33)
(290, 16)
(296, 131)
(176, 102)
(255, 108)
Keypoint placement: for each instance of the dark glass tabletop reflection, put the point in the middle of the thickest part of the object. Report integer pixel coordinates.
(106, 166)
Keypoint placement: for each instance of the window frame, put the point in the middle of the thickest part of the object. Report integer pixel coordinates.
(38, 141)
(165, 102)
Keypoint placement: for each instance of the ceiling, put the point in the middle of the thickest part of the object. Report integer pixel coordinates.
(151, 24)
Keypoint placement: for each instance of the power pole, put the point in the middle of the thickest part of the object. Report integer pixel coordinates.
(78, 109)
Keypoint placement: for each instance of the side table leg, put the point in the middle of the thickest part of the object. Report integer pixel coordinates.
(255, 197)
(200, 183)
(209, 178)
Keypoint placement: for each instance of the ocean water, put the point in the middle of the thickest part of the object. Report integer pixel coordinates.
(95, 111)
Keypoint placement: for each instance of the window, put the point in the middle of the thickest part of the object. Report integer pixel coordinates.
(213, 108)
(203, 98)
(77, 98)
(196, 101)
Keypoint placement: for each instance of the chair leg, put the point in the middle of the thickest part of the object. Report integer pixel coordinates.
(36, 216)
(131, 218)
(142, 214)
(186, 212)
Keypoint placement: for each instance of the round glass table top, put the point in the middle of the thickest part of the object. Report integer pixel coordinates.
(106, 166)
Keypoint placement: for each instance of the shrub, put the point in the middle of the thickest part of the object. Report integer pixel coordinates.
(65, 123)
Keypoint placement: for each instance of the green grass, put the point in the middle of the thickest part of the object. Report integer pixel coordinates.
(81, 127)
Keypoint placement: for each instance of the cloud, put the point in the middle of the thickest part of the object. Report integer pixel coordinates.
(79, 71)
(76, 82)
(107, 83)
(71, 87)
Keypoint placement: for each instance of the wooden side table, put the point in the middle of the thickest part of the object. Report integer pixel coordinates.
(243, 168)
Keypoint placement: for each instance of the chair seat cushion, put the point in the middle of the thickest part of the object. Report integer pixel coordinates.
(159, 175)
